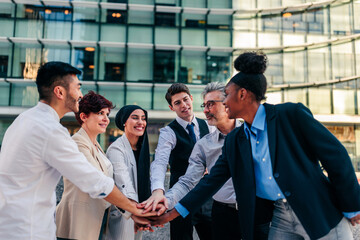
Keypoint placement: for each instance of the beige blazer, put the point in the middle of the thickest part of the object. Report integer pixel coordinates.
(123, 160)
(78, 216)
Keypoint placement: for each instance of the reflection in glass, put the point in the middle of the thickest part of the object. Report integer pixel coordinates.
(193, 67)
(218, 69)
(84, 61)
(164, 66)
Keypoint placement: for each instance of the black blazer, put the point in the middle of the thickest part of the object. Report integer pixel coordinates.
(297, 142)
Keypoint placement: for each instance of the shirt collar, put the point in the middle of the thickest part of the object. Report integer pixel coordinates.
(47, 107)
(184, 123)
(221, 135)
(258, 123)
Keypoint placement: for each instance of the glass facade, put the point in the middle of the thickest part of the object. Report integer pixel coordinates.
(132, 50)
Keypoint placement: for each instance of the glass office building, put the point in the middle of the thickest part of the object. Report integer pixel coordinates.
(130, 51)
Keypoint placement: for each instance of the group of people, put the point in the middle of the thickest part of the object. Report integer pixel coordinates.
(262, 178)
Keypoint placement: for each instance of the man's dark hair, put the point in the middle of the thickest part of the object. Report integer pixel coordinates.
(52, 74)
(176, 88)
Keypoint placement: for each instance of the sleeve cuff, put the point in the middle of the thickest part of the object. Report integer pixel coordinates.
(351, 214)
(181, 210)
(156, 186)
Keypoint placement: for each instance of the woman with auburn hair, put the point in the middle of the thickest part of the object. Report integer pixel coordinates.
(78, 216)
(132, 150)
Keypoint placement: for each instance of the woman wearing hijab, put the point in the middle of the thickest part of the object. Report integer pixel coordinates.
(78, 216)
(132, 148)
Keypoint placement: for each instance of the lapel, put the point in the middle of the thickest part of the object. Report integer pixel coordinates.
(271, 131)
(94, 151)
(131, 157)
(244, 150)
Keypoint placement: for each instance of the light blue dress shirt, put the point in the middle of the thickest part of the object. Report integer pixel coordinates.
(266, 186)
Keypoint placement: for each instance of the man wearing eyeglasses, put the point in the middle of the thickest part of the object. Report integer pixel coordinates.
(175, 144)
(225, 223)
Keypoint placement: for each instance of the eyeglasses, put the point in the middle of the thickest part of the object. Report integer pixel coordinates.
(209, 104)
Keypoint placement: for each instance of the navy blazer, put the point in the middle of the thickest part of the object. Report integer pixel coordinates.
(297, 143)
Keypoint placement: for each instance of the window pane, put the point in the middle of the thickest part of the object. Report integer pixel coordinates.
(4, 94)
(159, 97)
(166, 35)
(27, 60)
(6, 27)
(85, 31)
(89, 15)
(113, 33)
(269, 39)
(56, 53)
(134, 91)
(342, 60)
(274, 72)
(295, 96)
(244, 40)
(273, 97)
(219, 21)
(319, 100)
(164, 67)
(219, 38)
(340, 20)
(218, 68)
(83, 59)
(193, 37)
(294, 74)
(193, 67)
(219, 4)
(140, 34)
(344, 101)
(5, 59)
(29, 28)
(24, 94)
(193, 20)
(57, 30)
(318, 64)
(192, 3)
(112, 64)
(114, 93)
(141, 17)
(139, 65)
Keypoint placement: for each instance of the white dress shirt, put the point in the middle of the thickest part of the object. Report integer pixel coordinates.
(166, 143)
(36, 151)
(204, 155)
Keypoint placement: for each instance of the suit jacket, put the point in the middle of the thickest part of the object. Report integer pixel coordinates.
(123, 160)
(78, 216)
(297, 142)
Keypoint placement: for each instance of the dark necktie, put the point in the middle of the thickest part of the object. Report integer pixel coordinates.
(190, 128)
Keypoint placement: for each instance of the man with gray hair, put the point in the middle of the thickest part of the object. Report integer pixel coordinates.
(225, 222)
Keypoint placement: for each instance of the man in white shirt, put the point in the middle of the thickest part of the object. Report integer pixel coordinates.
(175, 144)
(37, 150)
(224, 216)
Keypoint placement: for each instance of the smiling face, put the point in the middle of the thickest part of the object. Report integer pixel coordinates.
(136, 123)
(232, 100)
(73, 94)
(182, 104)
(95, 123)
(214, 109)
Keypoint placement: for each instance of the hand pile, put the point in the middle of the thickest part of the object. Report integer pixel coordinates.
(152, 214)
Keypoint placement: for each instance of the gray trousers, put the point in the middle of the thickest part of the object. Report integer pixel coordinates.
(286, 225)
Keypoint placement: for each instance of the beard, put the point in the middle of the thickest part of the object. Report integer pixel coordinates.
(72, 103)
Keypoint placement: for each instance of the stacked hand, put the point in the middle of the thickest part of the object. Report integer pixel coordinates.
(153, 212)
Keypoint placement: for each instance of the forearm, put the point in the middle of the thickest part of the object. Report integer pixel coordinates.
(118, 199)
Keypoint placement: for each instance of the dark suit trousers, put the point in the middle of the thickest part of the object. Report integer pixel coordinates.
(182, 228)
(225, 222)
